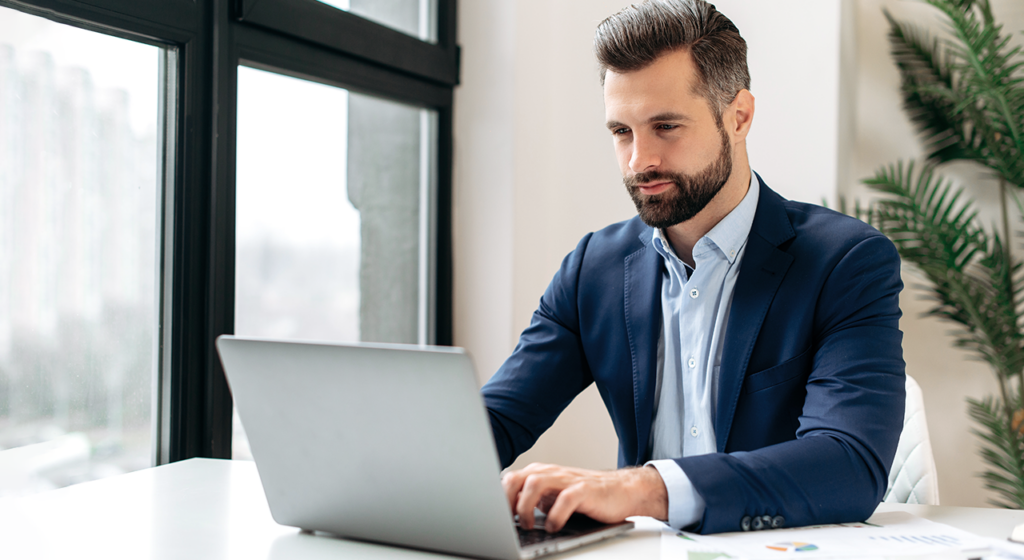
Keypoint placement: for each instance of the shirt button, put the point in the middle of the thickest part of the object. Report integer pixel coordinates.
(692, 363)
(694, 293)
(693, 431)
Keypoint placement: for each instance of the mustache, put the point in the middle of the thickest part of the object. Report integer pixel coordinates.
(634, 181)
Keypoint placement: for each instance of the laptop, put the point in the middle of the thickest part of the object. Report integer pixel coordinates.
(382, 442)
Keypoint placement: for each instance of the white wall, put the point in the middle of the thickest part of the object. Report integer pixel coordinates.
(792, 53)
(484, 171)
(534, 172)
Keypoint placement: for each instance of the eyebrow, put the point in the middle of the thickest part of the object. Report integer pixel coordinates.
(660, 117)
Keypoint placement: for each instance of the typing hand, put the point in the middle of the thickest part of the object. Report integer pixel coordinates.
(539, 519)
(607, 496)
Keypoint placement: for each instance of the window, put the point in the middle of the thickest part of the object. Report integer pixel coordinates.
(334, 215)
(158, 245)
(79, 208)
(417, 18)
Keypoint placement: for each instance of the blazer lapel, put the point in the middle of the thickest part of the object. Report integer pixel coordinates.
(762, 270)
(642, 285)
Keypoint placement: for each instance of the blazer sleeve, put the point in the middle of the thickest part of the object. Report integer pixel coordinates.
(547, 369)
(836, 470)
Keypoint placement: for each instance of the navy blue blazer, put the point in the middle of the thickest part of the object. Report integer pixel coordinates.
(811, 385)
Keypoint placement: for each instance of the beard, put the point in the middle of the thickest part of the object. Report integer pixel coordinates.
(689, 193)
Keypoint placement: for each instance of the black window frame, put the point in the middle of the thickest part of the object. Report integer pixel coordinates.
(344, 32)
(302, 38)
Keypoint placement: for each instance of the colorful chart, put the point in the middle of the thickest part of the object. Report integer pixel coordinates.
(792, 547)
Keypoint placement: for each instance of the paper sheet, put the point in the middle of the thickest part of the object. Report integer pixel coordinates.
(895, 534)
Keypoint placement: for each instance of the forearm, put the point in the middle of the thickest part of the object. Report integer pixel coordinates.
(650, 491)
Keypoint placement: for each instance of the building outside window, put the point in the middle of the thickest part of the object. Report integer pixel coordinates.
(79, 206)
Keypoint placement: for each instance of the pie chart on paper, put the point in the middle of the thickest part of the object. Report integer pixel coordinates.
(792, 547)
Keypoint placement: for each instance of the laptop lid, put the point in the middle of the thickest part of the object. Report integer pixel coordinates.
(387, 443)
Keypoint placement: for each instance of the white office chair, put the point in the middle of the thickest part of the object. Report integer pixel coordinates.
(913, 478)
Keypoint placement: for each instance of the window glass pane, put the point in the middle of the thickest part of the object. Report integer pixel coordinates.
(78, 238)
(412, 17)
(334, 215)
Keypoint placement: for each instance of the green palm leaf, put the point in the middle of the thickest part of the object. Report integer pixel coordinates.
(988, 84)
(1002, 449)
(972, 280)
(928, 93)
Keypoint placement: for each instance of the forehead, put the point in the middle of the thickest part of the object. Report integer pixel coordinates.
(666, 85)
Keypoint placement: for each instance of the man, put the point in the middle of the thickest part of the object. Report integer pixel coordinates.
(747, 347)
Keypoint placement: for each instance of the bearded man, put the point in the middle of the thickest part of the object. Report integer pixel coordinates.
(747, 347)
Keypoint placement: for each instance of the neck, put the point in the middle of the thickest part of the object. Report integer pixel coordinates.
(683, 236)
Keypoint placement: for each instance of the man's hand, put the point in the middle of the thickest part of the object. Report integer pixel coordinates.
(607, 496)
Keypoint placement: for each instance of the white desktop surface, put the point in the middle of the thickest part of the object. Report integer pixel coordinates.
(212, 509)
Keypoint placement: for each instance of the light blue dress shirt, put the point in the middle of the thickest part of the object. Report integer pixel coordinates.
(695, 307)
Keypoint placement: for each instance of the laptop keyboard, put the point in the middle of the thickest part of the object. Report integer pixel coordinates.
(534, 536)
(577, 525)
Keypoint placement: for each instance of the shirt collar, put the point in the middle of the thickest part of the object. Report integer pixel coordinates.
(729, 235)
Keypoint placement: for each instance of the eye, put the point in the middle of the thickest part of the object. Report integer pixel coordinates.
(666, 126)
(620, 131)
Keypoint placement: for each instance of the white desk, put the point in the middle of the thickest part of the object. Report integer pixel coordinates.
(210, 509)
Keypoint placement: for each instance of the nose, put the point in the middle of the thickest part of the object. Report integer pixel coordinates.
(644, 156)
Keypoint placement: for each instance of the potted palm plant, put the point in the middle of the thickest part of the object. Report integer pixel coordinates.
(963, 89)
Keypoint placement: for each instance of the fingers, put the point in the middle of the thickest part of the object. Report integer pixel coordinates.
(607, 496)
(513, 483)
(537, 485)
(567, 502)
(557, 490)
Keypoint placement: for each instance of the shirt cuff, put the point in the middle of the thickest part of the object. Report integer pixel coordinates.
(685, 505)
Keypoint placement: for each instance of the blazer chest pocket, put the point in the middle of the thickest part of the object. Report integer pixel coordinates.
(768, 378)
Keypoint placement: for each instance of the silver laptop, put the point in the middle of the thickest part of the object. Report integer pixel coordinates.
(381, 442)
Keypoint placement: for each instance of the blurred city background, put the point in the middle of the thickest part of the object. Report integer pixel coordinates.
(78, 219)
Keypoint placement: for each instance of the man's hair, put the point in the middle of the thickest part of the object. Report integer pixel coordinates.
(633, 38)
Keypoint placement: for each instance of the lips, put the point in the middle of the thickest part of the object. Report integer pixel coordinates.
(654, 188)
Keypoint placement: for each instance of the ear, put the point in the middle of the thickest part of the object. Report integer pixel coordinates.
(739, 116)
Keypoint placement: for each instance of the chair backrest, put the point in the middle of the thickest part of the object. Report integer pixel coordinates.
(913, 478)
